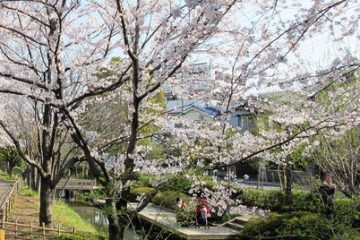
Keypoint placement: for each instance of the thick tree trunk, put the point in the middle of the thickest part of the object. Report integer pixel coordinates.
(46, 200)
(116, 227)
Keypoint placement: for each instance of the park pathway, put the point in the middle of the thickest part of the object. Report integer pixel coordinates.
(5, 190)
(166, 219)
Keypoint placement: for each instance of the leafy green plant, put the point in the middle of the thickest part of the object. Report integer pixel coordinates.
(273, 199)
(185, 215)
(167, 199)
(178, 183)
(139, 191)
(298, 225)
(348, 210)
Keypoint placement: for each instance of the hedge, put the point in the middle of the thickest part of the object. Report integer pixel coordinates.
(298, 225)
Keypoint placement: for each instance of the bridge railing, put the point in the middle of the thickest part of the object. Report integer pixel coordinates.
(77, 184)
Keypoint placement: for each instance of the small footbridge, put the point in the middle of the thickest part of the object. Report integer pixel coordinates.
(73, 184)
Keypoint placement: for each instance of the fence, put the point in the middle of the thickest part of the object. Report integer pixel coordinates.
(7, 204)
(21, 230)
(77, 184)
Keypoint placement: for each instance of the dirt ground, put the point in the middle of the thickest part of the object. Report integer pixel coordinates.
(26, 209)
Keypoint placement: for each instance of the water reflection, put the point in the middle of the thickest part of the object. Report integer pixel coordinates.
(92, 215)
(98, 219)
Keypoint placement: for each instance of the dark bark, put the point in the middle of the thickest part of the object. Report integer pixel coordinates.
(10, 169)
(116, 224)
(288, 185)
(46, 200)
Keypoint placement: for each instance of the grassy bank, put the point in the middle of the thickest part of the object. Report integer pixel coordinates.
(26, 208)
(65, 215)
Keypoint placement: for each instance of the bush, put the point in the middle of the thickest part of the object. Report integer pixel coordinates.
(266, 199)
(167, 199)
(143, 181)
(185, 216)
(348, 210)
(298, 225)
(306, 201)
(141, 190)
(178, 183)
(273, 199)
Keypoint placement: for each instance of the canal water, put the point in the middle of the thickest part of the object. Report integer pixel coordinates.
(98, 219)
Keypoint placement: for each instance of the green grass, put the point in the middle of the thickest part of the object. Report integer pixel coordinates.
(6, 177)
(25, 191)
(64, 214)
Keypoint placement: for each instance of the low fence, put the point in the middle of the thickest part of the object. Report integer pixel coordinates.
(8, 202)
(22, 230)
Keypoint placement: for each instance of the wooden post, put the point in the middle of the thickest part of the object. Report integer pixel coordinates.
(16, 227)
(73, 230)
(16, 190)
(31, 230)
(6, 211)
(3, 218)
(59, 230)
(43, 230)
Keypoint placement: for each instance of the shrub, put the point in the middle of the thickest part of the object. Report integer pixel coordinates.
(273, 199)
(167, 199)
(143, 181)
(306, 201)
(298, 225)
(348, 210)
(178, 183)
(186, 215)
(141, 190)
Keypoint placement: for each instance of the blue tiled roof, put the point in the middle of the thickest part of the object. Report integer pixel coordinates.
(182, 106)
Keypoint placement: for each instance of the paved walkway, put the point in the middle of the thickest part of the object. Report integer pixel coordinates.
(5, 188)
(166, 219)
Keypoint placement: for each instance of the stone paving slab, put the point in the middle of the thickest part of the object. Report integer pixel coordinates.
(166, 219)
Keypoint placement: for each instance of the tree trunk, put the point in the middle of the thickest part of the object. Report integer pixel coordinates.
(288, 185)
(33, 178)
(10, 170)
(46, 199)
(116, 228)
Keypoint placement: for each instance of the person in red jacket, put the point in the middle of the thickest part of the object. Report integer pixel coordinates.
(203, 212)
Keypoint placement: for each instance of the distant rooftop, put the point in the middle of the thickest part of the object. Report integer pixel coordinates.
(180, 106)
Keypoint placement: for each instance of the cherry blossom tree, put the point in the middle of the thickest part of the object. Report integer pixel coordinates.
(54, 53)
(46, 55)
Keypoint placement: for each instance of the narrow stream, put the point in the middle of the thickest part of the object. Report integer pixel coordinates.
(91, 215)
(97, 218)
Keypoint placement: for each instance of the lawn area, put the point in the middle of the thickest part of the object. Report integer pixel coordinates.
(26, 208)
(65, 215)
